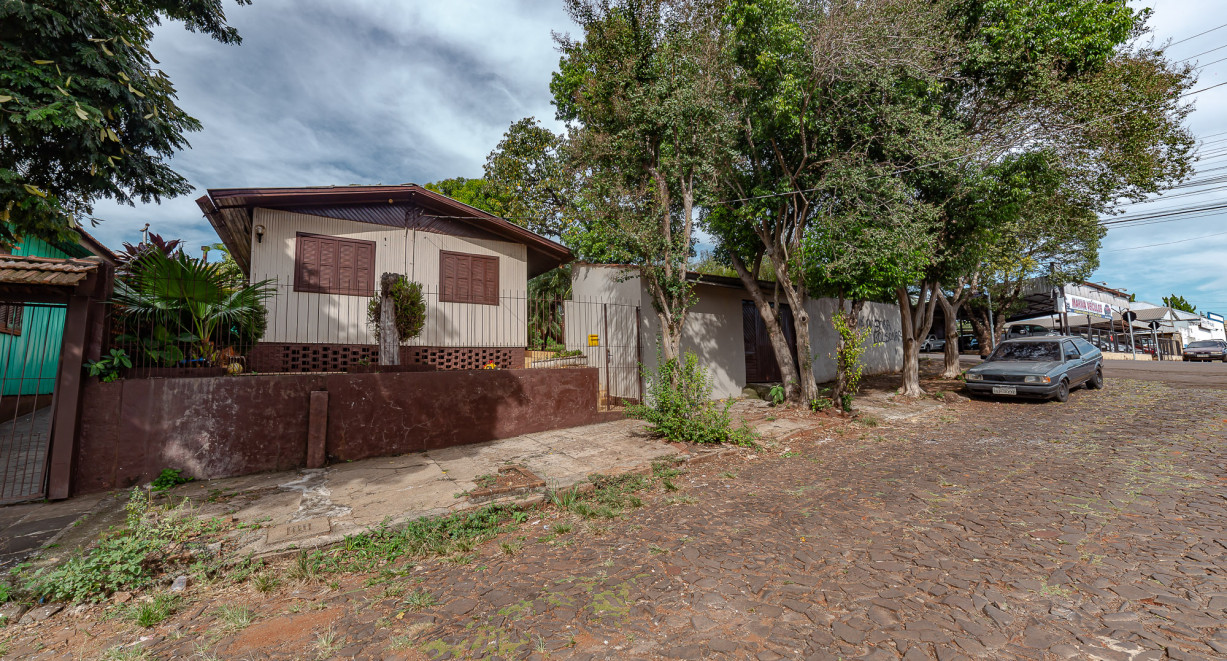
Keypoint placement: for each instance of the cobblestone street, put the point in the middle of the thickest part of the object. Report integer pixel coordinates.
(978, 529)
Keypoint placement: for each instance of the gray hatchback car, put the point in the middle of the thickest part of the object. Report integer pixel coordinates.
(1045, 367)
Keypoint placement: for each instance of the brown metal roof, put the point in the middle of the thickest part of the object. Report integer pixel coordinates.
(229, 211)
(47, 271)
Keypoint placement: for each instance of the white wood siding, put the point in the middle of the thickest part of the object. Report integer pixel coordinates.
(338, 319)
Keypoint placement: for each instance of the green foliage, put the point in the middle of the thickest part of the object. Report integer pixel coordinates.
(428, 536)
(776, 395)
(85, 113)
(646, 126)
(679, 406)
(608, 498)
(126, 559)
(169, 298)
(107, 368)
(563, 353)
(1178, 303)
(148, 613)
(409, 309)
(851, 347)
(169, 478)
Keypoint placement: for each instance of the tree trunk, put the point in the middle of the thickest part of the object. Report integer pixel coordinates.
(807, 387)
(915, 320)
(389, 338)
(950, 311)
(779, 343)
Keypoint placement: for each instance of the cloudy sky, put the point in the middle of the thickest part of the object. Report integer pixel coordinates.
(394, 91)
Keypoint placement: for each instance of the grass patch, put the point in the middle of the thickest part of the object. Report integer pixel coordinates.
(148, 613)
(265, 583)
(234, 618)
(432, 536)
(420, 599)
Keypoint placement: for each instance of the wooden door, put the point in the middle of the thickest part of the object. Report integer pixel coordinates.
(761, 366)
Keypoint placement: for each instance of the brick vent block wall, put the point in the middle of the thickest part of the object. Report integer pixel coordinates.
(270, 357)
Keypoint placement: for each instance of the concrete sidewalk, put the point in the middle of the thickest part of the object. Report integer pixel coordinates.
(316, 507)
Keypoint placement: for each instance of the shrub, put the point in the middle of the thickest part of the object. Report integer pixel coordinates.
(679, 406)
(409, 310)
(107, 367)
(169, 478)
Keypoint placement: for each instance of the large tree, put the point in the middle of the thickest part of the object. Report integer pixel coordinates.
(646, 125)
(1060, 80)
(85, 113)
(831, 99)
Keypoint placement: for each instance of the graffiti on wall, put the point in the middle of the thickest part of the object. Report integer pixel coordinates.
(885, 332)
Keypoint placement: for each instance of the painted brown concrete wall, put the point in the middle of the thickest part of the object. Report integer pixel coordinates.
(371, 415)
(222, 427)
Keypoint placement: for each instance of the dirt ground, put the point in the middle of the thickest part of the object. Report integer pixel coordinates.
(932, 529)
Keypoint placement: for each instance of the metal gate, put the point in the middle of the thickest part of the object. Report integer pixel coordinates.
(761, 365)
(30, 338)
(594, 333)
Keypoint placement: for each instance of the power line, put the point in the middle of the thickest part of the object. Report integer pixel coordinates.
(1166, 243)
(1224, 25)
(1203, 53)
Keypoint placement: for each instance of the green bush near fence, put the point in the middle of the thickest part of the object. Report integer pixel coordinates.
(679, 407)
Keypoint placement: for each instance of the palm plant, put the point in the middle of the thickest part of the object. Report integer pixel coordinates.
(206, 305)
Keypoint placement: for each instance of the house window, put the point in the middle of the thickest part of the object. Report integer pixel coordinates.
(332, 265)
(468, 278)
(10, 318)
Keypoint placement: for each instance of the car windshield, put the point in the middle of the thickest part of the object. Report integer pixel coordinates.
(1203, 344)
(1027, 351)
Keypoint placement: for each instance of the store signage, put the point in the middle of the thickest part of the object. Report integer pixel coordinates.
(1087, 306)
(1214, 317)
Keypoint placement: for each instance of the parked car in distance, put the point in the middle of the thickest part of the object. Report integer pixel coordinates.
(1206, 350)
(1028, 330)
(969, 343)
(1046, 367)
(933, 343)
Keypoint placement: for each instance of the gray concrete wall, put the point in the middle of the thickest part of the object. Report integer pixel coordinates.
(714, 328)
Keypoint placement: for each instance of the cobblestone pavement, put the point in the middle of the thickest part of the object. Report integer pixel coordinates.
(981, 529)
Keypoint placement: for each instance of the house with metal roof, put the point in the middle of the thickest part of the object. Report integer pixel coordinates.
(323, 249)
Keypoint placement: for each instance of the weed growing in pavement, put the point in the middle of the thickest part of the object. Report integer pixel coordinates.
(201, 651)
(681, 500)
(563, 528)
(1056, 591)
(511, 548)
(729, 475)
(419, 599)
(148, 613)
(657, 550)
(538, 644)
(327, 644)
(431, 536)
(399, 643)
(234, 618)
(304, 568)
(130, 558)
(127, 653)
(265, 582)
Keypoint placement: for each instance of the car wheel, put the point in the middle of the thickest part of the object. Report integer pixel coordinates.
(1096, 381)
(1062, 394)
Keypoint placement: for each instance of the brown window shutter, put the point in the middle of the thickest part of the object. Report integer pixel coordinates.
(347, 268)
(491, 293)
(447, 277)
(468, 278)
(366, 270)
(331, 265)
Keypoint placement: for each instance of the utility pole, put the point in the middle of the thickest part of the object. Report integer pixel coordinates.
(1128, 316)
